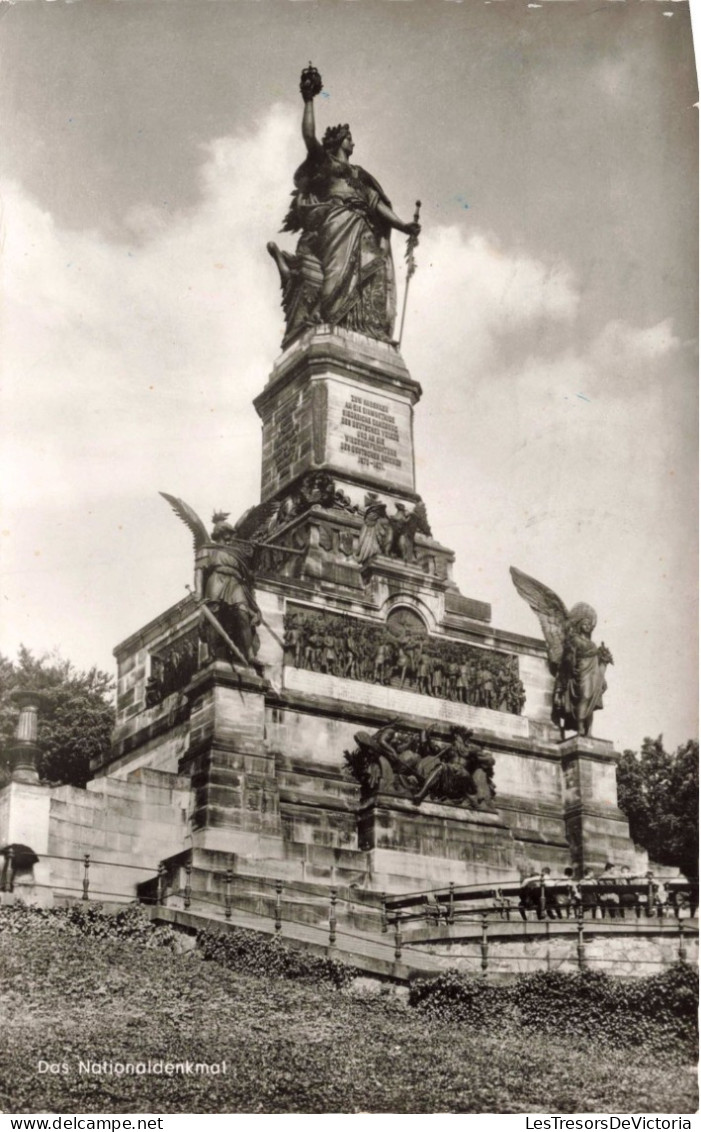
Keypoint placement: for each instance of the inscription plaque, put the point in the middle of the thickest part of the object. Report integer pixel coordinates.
(350, 427)
(370, 433)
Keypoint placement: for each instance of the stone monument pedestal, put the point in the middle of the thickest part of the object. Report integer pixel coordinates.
(596, 829)
(235, 796)
(359, 634)
(449, 841)
(343, 402)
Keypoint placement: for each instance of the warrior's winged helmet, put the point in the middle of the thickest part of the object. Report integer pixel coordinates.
(252, 522)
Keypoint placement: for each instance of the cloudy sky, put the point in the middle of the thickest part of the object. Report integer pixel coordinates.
(148, 149)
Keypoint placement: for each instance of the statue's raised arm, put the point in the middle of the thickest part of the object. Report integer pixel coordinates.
(341, 273)
(310, 85)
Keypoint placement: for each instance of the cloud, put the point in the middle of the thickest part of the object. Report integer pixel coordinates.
(135, 351)
(555, 444)
(132, 357)
(557, 431)
(475, 297)
(577, 465)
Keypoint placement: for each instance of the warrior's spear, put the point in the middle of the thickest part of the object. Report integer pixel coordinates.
(411, 243)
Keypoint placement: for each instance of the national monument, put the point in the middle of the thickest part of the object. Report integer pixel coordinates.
(325, 707)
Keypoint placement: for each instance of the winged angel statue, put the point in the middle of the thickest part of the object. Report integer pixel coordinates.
(579, 665)
(226, 560)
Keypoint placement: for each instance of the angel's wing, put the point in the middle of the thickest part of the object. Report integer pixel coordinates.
(419, 519)
(254, 519)
(550, 611)
(189, 517)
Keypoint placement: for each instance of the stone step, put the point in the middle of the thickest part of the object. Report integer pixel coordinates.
(107, 822)
(159, 788)
(371, 955)
(331, 788)
(298, 861)
(70, 797)
(164, 779)
(216, 863)
(255, 889)
(258, 896)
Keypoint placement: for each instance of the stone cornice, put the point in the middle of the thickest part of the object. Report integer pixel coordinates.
(325, 350)
(178, 614)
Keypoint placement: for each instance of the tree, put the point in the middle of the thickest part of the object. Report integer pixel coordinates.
(658, 792)
(76, 723)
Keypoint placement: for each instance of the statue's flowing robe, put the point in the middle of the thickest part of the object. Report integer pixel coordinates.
(229, 591)
(581, 683)
(372, 532)
(335, 207)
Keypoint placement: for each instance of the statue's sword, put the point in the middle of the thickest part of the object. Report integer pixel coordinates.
(279, 546)
(411, 243)
(216, 624)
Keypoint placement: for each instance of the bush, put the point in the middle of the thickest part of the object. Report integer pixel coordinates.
(455, 997)
(131, 923)
(660, 1010)
(256, 954)
(239, 949)
(19, 918)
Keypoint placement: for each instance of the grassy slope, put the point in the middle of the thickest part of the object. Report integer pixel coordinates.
(290, 1047)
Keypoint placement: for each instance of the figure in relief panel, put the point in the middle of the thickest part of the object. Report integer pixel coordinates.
(400, 653)
(397, 759)
(375, 532)
(227, 560)
(404, 527)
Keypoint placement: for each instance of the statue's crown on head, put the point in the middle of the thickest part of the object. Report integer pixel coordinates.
(334, 136)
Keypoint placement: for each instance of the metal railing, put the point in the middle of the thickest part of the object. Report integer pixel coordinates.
(9, 873)
(275, 900)
(279, 897)
(548, 899)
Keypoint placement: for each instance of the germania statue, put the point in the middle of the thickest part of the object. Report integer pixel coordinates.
(342, 272)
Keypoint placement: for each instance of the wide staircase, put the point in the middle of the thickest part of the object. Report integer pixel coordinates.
(211, 889)
(120, 840)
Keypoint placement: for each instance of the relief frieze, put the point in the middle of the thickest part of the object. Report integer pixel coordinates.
(172, 667)
(403, 657)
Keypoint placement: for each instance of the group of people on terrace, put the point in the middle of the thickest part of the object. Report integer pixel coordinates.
(616, 893)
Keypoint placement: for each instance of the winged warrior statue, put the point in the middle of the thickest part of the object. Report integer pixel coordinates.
(578, 664)
(226, 561)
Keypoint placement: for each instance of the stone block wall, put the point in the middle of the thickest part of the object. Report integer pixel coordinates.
(344, 402)
(125, 825)
(625, 951)
(141, 818)
(265, 757)
(131, 683)
(538, 682)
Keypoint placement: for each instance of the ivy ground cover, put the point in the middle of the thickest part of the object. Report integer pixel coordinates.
(302, 1044)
